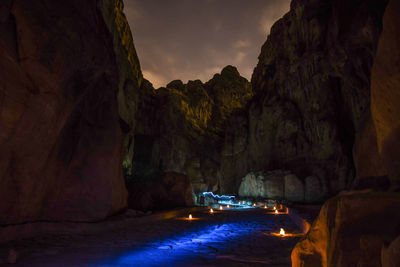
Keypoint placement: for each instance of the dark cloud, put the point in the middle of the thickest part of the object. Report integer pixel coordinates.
(194, 39)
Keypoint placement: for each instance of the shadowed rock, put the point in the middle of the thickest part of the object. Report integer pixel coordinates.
(61, 104)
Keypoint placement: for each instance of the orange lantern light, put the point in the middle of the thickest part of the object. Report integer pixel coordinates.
(282, 232)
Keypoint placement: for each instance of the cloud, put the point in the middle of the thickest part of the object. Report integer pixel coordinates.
(241, 44)
(191, 39)
(156, 79)
(271, 15)
(239, 58)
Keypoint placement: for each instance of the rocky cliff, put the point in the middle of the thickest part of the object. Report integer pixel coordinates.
(362, 228)
(69, 74)
(312, 95)
(184, 125)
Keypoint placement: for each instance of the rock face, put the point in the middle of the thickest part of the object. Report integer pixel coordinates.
(312, 95)
(169, 190)
(61, 104)
(377, 148)
(385, 95)
(186, 122)
(351, 230)
(276, 184)
(390, 254)
(363, 229)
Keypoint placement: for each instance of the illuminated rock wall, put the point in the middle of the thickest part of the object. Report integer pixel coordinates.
(62, 100)
(312, 95)
(188, 120)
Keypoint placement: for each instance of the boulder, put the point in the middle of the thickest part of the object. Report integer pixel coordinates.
(350, 231)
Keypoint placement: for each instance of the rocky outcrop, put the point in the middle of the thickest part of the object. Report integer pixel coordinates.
(62, 98)
(352, 230)
(280, 184)
(362, 229)
(186, 123)
(385, 95)
(130, 76)
(312, 95)
(390, 254)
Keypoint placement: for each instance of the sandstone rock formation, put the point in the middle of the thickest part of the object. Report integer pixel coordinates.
(65, 89)
(385, 94)
(186, 123)
(312, 95)
(352, 230)
(362, 229)
(390, 254)
(280, 184)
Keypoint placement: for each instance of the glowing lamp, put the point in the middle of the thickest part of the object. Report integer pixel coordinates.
(211, 210)
(190, 216)
(276, 211)
(274, 208)
(254, 204)
(265, 206)
(228, 206)
(220, 207)
(282, 232)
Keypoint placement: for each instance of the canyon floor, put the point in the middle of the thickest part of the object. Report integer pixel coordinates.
(225, 238)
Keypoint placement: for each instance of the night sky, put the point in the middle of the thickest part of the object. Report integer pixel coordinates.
(194, 39)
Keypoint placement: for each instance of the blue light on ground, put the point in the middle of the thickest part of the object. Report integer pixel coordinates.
(172, 250)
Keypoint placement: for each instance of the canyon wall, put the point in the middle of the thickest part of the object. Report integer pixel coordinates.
(68, 78)
(361, 228)
(183, 126)
(312, 95)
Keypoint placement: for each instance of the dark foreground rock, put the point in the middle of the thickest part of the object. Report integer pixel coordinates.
(60, 120)
(352, 230)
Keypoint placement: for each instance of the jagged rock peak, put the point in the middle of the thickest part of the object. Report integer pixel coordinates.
(230, 71)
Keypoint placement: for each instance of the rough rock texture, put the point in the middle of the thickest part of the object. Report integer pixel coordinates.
(130, 76)
(363, 229)
(313, 189)
(385, 94)
(391, 254)
(276, 184)
(186, 123)
(168, 190)
(60, 109)
(351, 230)
(311, 95)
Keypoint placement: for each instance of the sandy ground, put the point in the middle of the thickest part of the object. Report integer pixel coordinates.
(225, 238)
